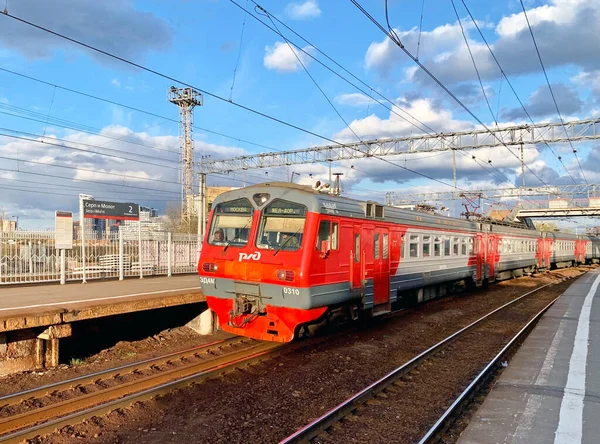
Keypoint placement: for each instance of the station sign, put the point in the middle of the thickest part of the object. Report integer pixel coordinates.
(97, 209)
(63, 230)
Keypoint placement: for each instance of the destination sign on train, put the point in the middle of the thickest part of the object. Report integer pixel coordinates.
(279, 210)
(223, 209)
(97, 209)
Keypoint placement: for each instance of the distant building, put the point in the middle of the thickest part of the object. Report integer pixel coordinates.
(150, 222)
(8, 225)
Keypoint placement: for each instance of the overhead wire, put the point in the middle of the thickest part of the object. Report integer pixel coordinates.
(126, 176)
(152, 197)
(537, 50)
(338, 112)
(168, 77)
(309, 54)
(393, 105)
(391, 34)
(171, 78)
(238, 56)
(74, 179)
(487, 101)
(462, 30)
(67, 124)
(504, 75)
(132, 108)
(420, 27)
(68, 147)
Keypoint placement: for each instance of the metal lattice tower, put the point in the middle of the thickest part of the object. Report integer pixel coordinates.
(186, 99)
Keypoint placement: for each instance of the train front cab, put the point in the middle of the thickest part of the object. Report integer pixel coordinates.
(253, 265)
(267, 289)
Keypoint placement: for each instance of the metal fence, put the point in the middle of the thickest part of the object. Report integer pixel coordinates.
(30, 256)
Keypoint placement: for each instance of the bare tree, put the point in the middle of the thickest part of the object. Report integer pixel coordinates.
(175, 224)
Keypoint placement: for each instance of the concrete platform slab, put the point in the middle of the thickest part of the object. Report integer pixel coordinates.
(36, 306)
(551, 390)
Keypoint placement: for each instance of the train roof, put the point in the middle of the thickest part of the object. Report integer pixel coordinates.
(325, 203)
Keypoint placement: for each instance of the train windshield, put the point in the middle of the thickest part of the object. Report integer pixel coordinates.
(282, 226)
(231, 223)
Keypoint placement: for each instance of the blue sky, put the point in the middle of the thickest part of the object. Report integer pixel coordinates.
(199, 42)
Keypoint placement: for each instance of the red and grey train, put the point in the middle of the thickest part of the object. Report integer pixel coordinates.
(279, 256)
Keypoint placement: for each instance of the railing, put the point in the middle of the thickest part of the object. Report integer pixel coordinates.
(29, 256)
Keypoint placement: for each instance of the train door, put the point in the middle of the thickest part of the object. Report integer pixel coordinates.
(358, 260)
(492, 255)
(381, 266)
(479, 258)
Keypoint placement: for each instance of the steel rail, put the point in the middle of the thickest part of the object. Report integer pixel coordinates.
(22, 426)
(450, 415)
(90, 378)
(325, 421)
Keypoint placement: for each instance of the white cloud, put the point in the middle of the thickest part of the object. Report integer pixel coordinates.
(355, 99)
(113, 175)
(303, 11)
(438, 43)
(559, 28)
(115, 82)
(46, 159)
(281, 57)
(7, 176)
(562, 12)
(149, 175)
(587, 79)
(374, 127)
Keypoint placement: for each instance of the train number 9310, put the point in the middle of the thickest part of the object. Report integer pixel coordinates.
(290, 290)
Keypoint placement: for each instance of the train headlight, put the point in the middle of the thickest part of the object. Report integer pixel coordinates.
(209, 267)
(261, 198)
(285, 275)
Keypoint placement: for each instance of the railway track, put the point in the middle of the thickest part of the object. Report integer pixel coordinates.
(41, 410)
(326, 427)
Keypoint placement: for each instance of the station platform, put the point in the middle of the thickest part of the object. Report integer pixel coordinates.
(34, 318)
(550, 391)
(40, 305)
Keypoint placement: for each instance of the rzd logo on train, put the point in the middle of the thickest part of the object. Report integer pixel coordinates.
(249, 257)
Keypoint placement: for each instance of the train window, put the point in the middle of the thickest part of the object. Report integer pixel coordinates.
(426, 247)
(334, 236)
(324, 233)
(231, 223)
(414, 245)
(455, 245)
(470, 250)
(281, 226)
(357, 247)
(446, 246)
(376, 245)
(385, 246)
(437, 246)
(402, 246)
(463, 244)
